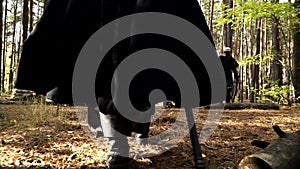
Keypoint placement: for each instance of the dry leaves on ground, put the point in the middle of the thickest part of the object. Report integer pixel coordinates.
(39, 136)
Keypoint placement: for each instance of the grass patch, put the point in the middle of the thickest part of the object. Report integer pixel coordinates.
(36, 119)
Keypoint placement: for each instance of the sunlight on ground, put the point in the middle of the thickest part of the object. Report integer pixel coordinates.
(39, 135)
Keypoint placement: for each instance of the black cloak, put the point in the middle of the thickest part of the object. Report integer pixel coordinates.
(50, 52)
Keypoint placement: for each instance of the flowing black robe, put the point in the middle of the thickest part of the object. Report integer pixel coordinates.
(50, 52)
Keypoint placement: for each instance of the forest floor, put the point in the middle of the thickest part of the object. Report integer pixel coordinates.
(42, 136)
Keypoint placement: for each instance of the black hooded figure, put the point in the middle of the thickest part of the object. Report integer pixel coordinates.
(50, 52)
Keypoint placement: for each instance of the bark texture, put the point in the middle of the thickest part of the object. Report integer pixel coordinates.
(284, 153)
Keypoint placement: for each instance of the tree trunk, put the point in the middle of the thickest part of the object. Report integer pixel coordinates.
(19, 46)
(4, 47)
(255, 67)
(276, 72)
(296, 56)
(284, 153)
(13, 49)
(229, 29)
(225, 27)
(211, 16)
(25, 19)
(258, 46)
(31, 14)
(250, 47)
(1, 37)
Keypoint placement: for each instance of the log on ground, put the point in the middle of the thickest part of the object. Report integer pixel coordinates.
(283, 153)
(239, 106)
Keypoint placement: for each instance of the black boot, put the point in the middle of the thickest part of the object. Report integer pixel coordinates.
(117, 162)
(118, 151)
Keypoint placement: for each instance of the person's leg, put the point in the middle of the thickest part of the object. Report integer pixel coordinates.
(228, 94)
(118, 150)
(94, 122)
(142, 130)
(229, 84)
(116, 129)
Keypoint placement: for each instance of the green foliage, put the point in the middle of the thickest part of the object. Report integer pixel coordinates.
(260, 59)
(273, 92)
(249, 60)
(245, 12)
(255, 60)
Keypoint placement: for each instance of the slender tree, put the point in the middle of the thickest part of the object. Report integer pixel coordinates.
(225, 25)
(31, 14)
(276, 72)
(1, 40)
(296, 55)
(19, 45)
(227, 31)
(229, 28)
(25, 19)
(4, 47)
(255, 66)
(211, 17)
(13, 48)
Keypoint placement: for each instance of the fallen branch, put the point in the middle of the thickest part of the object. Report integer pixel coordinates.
(279, 131)
(208, 147)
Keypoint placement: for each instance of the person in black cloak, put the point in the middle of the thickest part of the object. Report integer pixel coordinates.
(50, 52)
(230, 66)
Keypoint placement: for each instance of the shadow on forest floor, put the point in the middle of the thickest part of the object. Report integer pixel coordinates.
(39, 136)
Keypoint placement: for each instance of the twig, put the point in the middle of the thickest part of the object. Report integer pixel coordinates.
(279, 132)
(209, 147)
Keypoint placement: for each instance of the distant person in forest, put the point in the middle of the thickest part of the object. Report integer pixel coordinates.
(230, 67)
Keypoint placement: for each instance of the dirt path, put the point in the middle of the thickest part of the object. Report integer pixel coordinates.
(39, 136)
